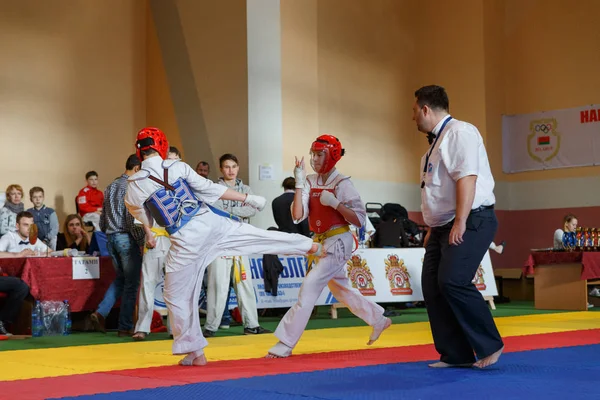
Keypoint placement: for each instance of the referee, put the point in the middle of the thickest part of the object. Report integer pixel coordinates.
(457, 201)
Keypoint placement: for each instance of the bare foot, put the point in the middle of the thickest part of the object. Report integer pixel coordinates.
(195, 359)
(138, 336)
(280, 350)
(378, 330)
(499, 249)
(271, 355)
(489, 360)
(441, 364)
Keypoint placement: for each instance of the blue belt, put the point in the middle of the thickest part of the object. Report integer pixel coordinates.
(224, 213)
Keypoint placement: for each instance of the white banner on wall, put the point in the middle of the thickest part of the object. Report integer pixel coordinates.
(551, 139)
(384, 275)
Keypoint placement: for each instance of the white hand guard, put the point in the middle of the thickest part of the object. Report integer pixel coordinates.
(329, 199)
(300, 177)
(255, 201)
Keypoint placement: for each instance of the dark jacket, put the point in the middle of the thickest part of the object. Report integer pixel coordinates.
(283, 216)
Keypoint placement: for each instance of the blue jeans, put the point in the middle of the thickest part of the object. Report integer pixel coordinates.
(127, 260)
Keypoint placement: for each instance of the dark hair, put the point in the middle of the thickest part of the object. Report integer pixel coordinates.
(147, 152)
(434, 97)
(90, 174)
(173, 149)
(289, 183)
(132, 161)
(226, 157)
(203, 163)
(24, 214)
(568, 218)
(35, 189)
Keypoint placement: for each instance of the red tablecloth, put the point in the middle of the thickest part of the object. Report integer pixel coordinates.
(590, 261)
(51, 278)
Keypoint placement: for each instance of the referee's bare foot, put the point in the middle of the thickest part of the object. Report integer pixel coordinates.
(489, 360)
(441, 364)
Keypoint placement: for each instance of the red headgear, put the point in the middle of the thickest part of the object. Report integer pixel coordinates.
(332, 149)
(151, 138)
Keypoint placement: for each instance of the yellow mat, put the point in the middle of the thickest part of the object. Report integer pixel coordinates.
(25, 364)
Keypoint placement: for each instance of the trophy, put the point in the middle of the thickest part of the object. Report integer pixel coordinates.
(579, 239)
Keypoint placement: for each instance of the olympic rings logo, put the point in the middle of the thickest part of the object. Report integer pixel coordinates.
(544, 128)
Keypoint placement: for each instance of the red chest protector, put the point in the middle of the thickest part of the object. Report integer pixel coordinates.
(321, 218)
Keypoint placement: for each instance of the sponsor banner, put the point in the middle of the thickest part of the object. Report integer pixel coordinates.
(383, 275)
(551, 139)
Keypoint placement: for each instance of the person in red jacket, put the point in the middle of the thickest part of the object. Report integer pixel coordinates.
(90, 200)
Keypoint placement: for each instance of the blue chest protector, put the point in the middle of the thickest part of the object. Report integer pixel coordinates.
(173, 205)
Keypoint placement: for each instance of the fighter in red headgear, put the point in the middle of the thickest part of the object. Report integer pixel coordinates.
(332, 150)
(331, 203)
(151, 138)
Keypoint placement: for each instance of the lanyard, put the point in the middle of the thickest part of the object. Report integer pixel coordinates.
(431, 150)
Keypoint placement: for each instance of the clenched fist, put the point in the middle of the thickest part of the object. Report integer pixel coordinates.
(255, 201)
(329, 199)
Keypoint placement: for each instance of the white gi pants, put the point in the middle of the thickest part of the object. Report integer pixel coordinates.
(152, 265)
(198, 243)
(220, 273)
(329, 271)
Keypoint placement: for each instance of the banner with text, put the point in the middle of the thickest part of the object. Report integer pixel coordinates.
(551, 139)
(384, 275)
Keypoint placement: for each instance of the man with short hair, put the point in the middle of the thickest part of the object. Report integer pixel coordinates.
(174, 153)
(45, 218)
(457, 201)
(17, 244)
(223, 270)
(203, 169)
(125, 241)
(282, 210)
(90, 200)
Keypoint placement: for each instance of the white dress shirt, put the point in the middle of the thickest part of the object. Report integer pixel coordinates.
(13, 243)
(459, 152)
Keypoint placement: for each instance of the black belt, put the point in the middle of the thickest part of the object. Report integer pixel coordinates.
(482, 208)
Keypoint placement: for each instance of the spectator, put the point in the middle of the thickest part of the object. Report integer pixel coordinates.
(12, 207)
(125, 241)
(174, 153)
(44, 217)
(74, 235)
(569, 225)
(282, 211)
(90, 199)
(16, 244)
(203, 169)
(16, 290)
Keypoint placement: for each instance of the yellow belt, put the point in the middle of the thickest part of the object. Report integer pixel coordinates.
(320, 238)
(239, 274)
(157, 232)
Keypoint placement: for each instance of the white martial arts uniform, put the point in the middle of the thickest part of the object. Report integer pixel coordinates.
(205, 237)
(152, 266)
(331, 269)
(222, 269)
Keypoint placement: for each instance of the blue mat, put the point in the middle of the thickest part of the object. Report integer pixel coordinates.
(564, 373)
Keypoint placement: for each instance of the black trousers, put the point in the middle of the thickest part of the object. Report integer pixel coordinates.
(16, 291)
(461, 322)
